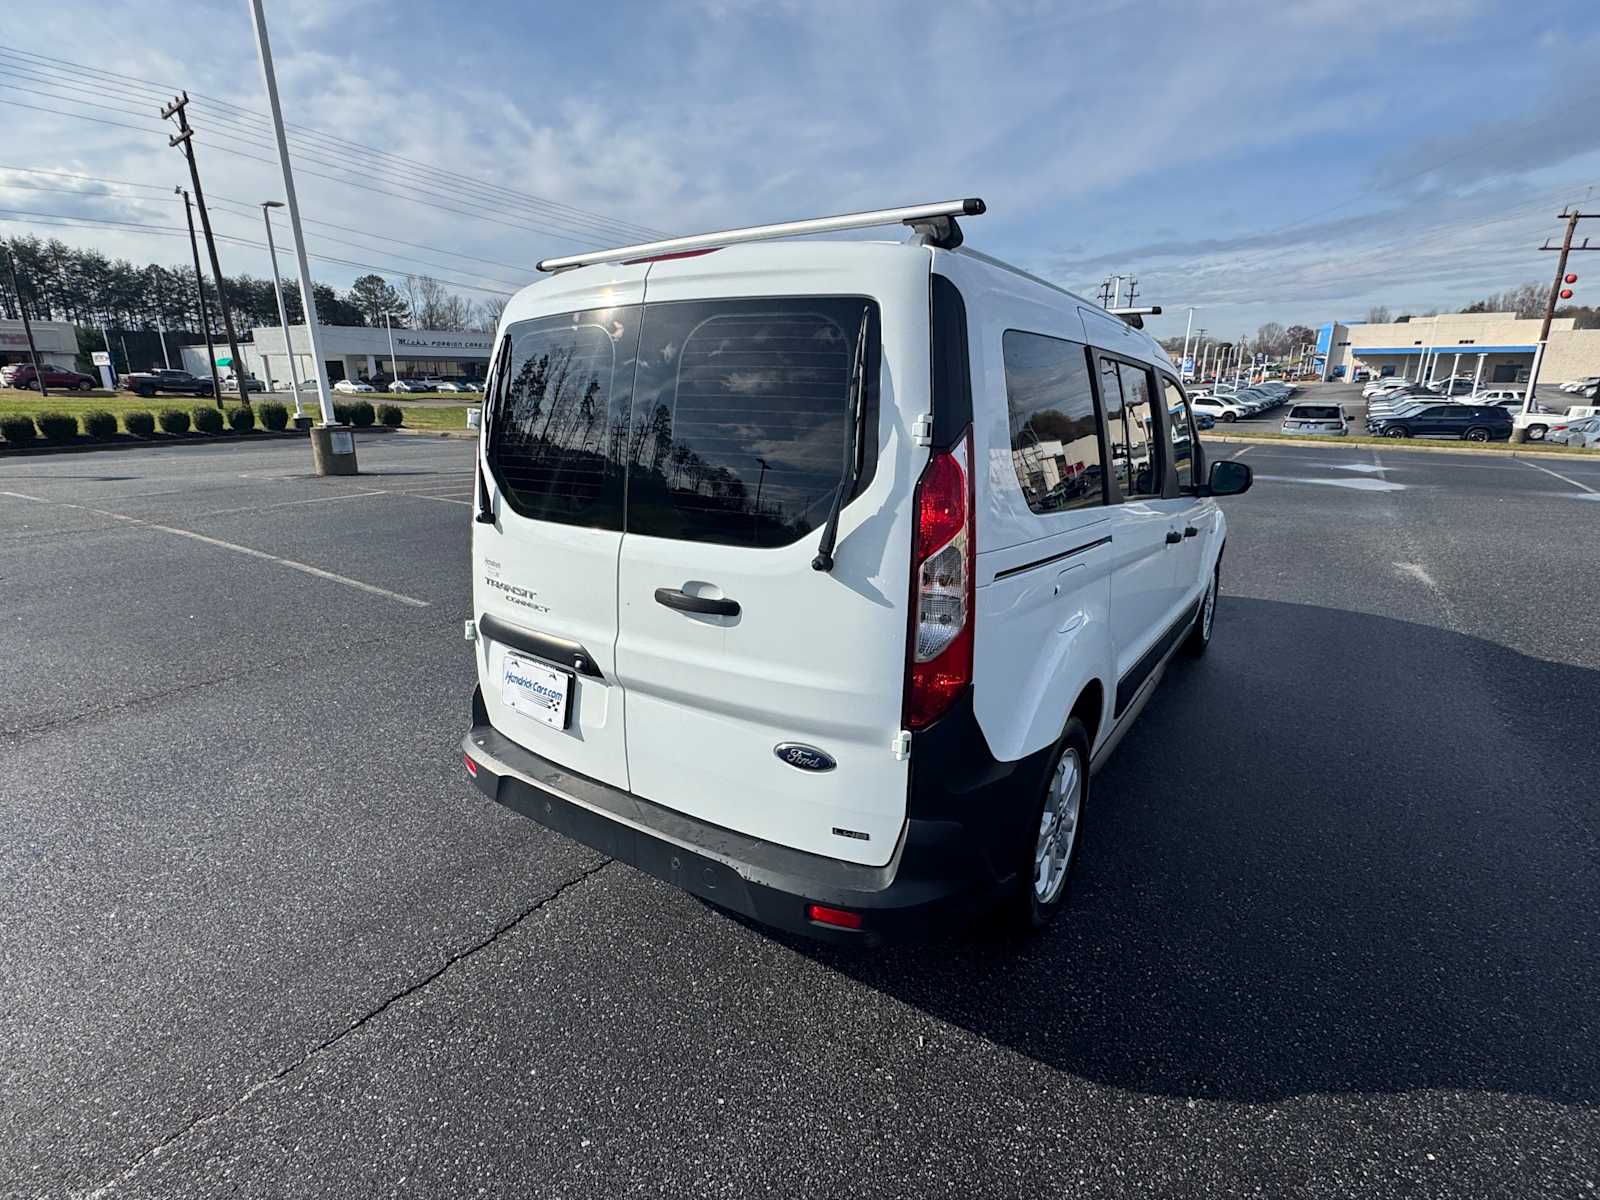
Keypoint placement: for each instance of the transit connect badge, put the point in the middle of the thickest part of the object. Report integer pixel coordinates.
(806, 758)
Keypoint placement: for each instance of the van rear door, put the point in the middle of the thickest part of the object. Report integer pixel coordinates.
(764, 695)
(545, 575)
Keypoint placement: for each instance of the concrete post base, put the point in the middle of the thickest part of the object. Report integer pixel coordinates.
(333, 450)
(1519, 436)
(302, 422)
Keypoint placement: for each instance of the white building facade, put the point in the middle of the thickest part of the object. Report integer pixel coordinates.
(55, 341)
(357, 352)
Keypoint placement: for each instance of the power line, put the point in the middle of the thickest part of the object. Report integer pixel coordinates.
(234, 200)
(553, 210)
(69, 220)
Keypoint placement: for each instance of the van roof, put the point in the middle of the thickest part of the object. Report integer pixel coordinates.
(582, 286)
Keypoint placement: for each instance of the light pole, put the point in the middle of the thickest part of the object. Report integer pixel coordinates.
(283, 313)
(308, 300)
(1183, 367)
(394, 367)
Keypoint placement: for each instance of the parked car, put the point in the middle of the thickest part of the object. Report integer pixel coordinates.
(1584, 431)
(230, 384)
(471, 385)
(353, 386)
(1578, 385)
(23, 375)
(173, 382)
(869, 752)
(1218, 408)
(449, 385)
(1471, 422)
(410, 385)
(1316, 419)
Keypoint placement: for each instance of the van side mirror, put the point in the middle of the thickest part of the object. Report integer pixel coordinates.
(1229, 478)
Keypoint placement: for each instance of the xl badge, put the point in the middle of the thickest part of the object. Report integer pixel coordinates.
(806, 758)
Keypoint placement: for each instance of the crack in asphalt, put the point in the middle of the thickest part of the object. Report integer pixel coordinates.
(329, 1043)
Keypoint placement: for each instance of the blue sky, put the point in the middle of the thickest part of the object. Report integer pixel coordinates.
(1277, 161)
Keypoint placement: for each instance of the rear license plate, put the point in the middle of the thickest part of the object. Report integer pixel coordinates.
(536, 691)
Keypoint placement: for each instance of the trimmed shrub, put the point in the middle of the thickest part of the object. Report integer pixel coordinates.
(18, 431)
(361, 413)
(207, 419)
(342, 411)
(391, 415)
(242, 418)
(58, 427)
(273, 415)
(173, 420)
(139, 423)
(98, 423)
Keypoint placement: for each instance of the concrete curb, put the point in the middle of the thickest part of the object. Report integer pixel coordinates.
(1400, 444)
(212, 439)
(438, 433)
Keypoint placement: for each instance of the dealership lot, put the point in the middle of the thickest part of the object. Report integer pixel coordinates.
(1333, 933)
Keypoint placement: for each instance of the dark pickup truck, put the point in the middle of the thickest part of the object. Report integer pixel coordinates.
(148, 383)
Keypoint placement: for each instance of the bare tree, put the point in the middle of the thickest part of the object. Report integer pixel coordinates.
(489, 312)
(1378, 314)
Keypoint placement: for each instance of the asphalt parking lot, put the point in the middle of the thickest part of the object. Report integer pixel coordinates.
(1334, 934)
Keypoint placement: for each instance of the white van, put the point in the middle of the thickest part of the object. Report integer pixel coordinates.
(818, 577)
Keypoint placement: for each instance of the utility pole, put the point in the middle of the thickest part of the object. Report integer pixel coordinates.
(161, 332)
(1105, 292)
(205, 313)
(1133, 289)
(27, 325)
(1572, 218)
(1116, 291)
(185, 138)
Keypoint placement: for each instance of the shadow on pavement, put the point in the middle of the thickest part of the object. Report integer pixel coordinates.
(1342, 853)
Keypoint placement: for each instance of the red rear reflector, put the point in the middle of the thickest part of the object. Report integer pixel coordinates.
(472, 767)
(840, 917)
(630, 262)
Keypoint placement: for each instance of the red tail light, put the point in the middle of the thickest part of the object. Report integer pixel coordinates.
(939, 650)
(472, 767)
(841, 918)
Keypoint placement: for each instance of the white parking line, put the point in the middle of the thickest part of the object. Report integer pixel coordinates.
(292, 564)
(423, 496)
(1582, 487)
(223, 512)
(22, 496)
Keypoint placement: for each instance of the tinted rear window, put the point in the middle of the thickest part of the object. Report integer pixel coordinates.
(1314, 412)
(738, 430)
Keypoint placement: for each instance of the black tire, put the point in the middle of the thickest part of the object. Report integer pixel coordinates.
(1397, 432)
(1025, 910)
(1477, 435)
(1229, 417)
(1536, 432)
(1200, 632)
(83, 385)
(31, 385)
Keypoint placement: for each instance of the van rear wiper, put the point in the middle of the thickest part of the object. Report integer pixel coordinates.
(485, 512)
(852, 447)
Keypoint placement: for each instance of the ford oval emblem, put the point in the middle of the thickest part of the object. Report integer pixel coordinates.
(806, 758)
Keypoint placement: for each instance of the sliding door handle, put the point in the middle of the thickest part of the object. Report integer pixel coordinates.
(1190, 531)
(683, 602)
(1173, 537)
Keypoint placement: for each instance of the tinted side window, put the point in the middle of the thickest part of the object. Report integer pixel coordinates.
(1135, 461)
(1055, 430)
(560, 416)
(1183, 435)
(739, 417)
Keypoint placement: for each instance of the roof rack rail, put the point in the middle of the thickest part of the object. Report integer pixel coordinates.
(936, 222)
(1136, 316)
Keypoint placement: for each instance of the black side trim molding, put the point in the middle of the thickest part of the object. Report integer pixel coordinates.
(556, 650)
(1040, 562)
(1128, 686)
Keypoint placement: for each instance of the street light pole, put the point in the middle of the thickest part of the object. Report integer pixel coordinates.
(308, 300)
(394, 367)
(1183, 367)
(283, 313)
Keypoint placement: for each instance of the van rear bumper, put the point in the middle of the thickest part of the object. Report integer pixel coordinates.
(935, 879)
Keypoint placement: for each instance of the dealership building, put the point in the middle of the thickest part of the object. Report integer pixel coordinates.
(55, 341)
(356, 352)
(1496, 348)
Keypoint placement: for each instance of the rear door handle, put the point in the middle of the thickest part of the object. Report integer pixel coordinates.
(683, 602)
(1173, 537)
(1190, 531)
